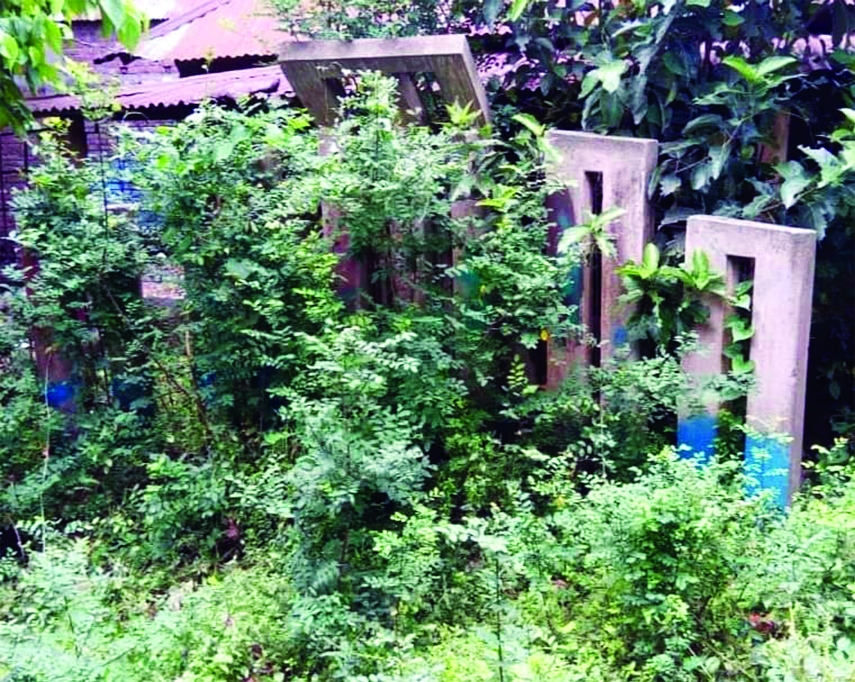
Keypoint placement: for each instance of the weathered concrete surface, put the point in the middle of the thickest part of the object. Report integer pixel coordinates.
(781, 308)
(313, 68)
(350, 271)
(626, 165)
(560, 355)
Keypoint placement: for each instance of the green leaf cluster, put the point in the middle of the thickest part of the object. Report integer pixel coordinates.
(33, 35)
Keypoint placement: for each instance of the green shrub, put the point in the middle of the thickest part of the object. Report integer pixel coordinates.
(308, 485)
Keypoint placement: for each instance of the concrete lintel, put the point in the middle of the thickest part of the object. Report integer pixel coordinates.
(602, 152)
(374, 48)
(311, 65)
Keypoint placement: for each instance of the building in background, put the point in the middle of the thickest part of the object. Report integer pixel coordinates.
(196, 50)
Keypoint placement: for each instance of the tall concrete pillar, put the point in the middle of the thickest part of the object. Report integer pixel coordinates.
(783, 259)
(602, 173)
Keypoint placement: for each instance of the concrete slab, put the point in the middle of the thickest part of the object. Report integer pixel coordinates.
(784, 260)
(621, 167)
(315, 68)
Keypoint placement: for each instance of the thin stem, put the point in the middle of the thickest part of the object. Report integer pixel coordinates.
(195, 399)
(45, 457)
(500, 649)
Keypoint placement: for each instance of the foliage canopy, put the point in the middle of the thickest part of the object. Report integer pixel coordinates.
(33, 34)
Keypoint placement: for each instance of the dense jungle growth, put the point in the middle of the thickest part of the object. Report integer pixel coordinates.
(333, 457)
(744, 98)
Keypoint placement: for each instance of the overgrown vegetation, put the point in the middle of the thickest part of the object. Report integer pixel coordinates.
(334, 458)
(730, 92)
(331, 459)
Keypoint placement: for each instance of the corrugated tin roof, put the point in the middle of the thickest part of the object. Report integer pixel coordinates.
(215, 28)
(153, 9)
(191, 90)
(166, 9)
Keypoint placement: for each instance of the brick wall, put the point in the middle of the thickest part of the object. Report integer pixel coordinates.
(99, 136)
(88, 47)
(93, 139)
(91, 48)
(14, 160)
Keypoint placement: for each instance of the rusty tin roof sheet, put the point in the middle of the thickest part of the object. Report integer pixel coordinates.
(267, 79)
(215, 29)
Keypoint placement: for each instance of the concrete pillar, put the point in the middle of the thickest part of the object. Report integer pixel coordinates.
(781, 311)
(351, 272)
(562, 355)
(602, 173)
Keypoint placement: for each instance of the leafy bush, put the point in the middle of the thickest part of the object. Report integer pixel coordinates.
(673, 576)
(282, 479)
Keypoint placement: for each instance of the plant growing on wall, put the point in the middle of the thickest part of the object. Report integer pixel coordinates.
(738, 326)
(83, 264)
(669, 301)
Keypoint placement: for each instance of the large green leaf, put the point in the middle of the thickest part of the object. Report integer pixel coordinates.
(674, 64)
(757, 205)
(740, 330)
(610, 74)
(114, 10)
(517, 9)
(849, 114)
(732, 18)
(742, 67)
(129, 33)
(704, 121)
(571, 236)
(740, 365)
(650, 259)
(8, 48)
(589, 82)
(701, 175)
(669, 184)
(530, 122)
(742, 301)
(700, 263)
(772, 64)
(795, 181)
(719, 154)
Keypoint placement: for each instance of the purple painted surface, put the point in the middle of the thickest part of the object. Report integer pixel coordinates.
(624, 166)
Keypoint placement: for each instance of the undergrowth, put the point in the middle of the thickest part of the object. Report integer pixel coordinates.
(333, 457)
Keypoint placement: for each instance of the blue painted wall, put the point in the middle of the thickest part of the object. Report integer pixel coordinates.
(696, 435)
(61, 395)
(767, 460)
